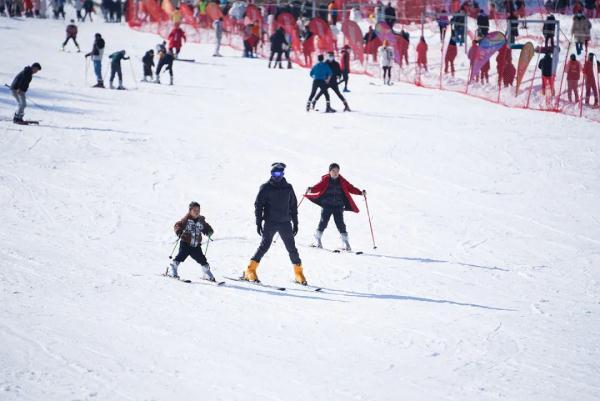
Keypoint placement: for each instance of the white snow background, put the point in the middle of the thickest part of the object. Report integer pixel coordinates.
(484, 285)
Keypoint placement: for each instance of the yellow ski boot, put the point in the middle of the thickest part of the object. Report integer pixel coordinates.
(250, 272)
(299, 276)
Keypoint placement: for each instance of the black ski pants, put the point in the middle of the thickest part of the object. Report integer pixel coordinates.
(147, 70)
(287, 236)
(333, 85)
(338, 218)
(277, 60)
(115, 69)
(345, 76)
(319, 84)
(186, 250)
(67, 41)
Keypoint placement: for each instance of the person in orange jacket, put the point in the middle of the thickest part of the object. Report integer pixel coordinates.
(451, 53)
(175, 38)
(591, 89)
(422, 53)
(573, 76)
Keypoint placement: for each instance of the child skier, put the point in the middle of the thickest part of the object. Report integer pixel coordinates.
(176, 37)
(115, 68)
(71, 34)
(189, 230)
(148, 61)
(165, 59)
(332, 193)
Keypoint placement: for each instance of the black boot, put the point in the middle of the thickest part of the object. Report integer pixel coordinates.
(346, 107)
(329, 109)
(307, 106)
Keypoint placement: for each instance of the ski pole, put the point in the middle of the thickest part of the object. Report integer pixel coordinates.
(174, 246)
(370, 225)
(87, 66)
(207, 243)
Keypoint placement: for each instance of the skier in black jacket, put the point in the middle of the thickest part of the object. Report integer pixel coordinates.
(115, 68)
(277, 42)
(333, 81)
(148, 61)
(165, 59)
(276, 205)
(19, 87)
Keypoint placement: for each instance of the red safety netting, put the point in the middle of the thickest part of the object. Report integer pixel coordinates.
(509, 77)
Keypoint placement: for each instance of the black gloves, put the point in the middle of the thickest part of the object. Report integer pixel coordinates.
(259, 228)
(295, 228)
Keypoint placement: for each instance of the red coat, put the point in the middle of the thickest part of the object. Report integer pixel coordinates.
(175, 37)
(318, 190)
(573, 70)
(588, 73)
(451, 53)
(422, 53)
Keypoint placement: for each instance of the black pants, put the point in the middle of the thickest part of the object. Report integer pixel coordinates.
(333, 85)
(147, 70)
(548, 38)
(338, 218)
(277, 60)
(186, 250)
(161, 65)
(345, 79)
(387, 71)
(287, 236)
(116, 70)
(87, 13)
(319, 84)
(67, 41)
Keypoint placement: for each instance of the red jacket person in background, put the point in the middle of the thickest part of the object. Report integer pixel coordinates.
(175, 39)
(332, 193)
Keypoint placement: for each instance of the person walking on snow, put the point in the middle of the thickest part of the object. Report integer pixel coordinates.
(276, 205)
(96, 55)
(19, 88)
(176, 37)
(333, 194)
(148, 61)
(165, 59)
(189, 230)
(115, 68)
(71, 34)
(336, 72)
(385, 53)
(218, 27)
(321, 74)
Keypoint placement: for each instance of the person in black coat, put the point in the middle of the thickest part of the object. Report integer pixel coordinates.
(276, 206)
(547, 66)
(277, 42)
(148, 61)
(549, 30)
(483, 24)
(390, 15)
(336, 74)
(165, 60)
(19, 87)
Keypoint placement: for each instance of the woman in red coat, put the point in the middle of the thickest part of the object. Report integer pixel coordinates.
(332, 193)
(422, 54)
(573, 76)
(176, 37)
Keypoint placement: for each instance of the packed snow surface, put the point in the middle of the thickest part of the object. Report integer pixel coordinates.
(484, 284)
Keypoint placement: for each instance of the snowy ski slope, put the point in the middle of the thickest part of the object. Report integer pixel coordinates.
(484, 285)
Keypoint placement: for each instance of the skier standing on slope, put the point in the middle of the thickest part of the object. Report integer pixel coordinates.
(148, 61)
(321, 74)
(218, 27)
(386, 60)
(96, 55)
(332, 193)
(19, 87)
(71, 34)
(115, 67)
(189, 230)
(345, 66)
(276, 205)
(336, 72)
(176, 37)
(165, 59)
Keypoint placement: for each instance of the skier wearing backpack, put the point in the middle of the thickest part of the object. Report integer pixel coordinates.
(96, 55)
(333, 194)
(115, 68)
(71, 35)
(276, 205)
(19, 87)
(189, 230)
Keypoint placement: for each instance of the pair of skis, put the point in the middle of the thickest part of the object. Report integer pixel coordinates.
(242, 280)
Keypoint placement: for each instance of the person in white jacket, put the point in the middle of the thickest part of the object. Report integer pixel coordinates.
(385, 53)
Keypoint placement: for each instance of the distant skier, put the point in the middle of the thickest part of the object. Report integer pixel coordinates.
(278, 42)
(385, 53)
(19, 88)
(165, 60)
(545, 65)
(321, 74)
(189, 230)
(573, 76)
(218, 27)
(148, 61)
(71, 35)
(176, 37)
(336, 73)
(422, 54)
(115, 67)
(345, 65)
(451, 53)
(332, 193)
(88, 7)
(591, 88)
(276, 205)
(96, 55)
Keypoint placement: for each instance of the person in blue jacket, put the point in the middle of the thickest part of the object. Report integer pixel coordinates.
(321, 74)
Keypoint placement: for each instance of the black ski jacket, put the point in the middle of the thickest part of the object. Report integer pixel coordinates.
(336, 71)
(22, 80)
(276, 203)
(546, 66)
(278, 40)
(148, 59)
